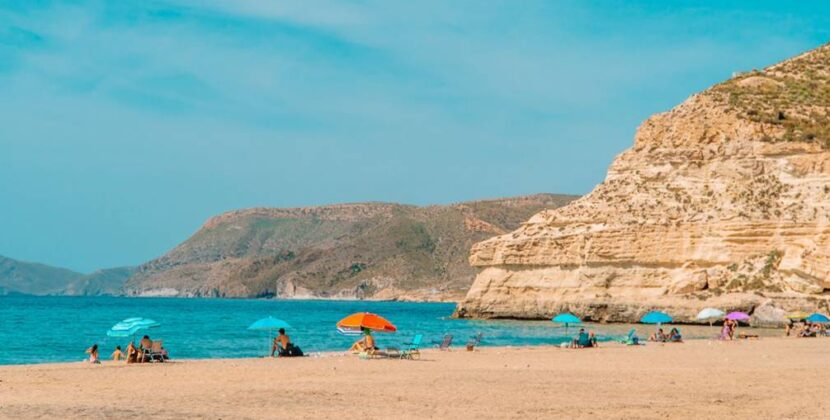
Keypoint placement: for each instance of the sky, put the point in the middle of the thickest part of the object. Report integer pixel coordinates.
(124, 125)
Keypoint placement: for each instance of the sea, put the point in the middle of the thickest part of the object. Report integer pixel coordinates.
(36, 329)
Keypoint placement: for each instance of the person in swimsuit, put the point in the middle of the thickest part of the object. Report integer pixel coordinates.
(117, 354)
(93, 354)
(132, 353)
(281, 343)
(367, 343)
(143, 346)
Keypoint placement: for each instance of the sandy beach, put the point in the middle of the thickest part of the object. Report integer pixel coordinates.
(771, 377)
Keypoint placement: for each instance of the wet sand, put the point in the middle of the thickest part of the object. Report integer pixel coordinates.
(770, 378)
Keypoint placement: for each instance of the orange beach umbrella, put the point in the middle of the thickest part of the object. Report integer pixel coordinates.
(360, 320)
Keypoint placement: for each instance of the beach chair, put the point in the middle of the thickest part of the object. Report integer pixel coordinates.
(154, 354)
(631, 339)
(475, 341)
(413, 348)
(445, 343)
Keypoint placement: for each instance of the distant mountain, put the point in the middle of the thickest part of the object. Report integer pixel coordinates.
(106, 282)
(20, 277)
(33, 278)
(362, 251)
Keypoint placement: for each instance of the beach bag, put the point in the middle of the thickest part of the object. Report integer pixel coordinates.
(294, 351)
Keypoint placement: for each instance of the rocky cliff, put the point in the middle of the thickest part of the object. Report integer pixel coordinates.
(354, 251)
(723, 201)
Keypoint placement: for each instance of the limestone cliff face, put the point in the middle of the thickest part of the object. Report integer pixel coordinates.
(722, 201)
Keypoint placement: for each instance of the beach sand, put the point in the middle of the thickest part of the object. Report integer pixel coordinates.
(769, 378)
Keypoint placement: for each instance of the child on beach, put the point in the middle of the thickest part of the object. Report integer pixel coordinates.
(93, 354)
(117, 355)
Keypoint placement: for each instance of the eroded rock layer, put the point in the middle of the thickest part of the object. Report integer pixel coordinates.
(722, 201)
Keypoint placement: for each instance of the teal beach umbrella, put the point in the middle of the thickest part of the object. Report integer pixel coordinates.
(566, 318)
(656, 317)
(269, 324)
(130, 327)
(819, 318)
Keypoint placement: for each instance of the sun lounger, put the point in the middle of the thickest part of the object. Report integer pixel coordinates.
(631, 339)
(413, 349)
(445, 343)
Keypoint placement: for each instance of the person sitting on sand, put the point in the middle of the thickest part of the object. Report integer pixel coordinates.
(281, 343)
(93, 354)
(809, 330)
(117, 355)
(674, 336)
(367, 343)
(582, 340)
(593, 339)
(659, 336)
(132, 353)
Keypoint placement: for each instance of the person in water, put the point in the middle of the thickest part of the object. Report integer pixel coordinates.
(281, 343)
(93, 354)
(117, 354)
(367, 343)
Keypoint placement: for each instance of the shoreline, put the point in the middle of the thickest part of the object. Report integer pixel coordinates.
(739, 379)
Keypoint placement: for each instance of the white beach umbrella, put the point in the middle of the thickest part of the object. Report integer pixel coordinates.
(710, 314)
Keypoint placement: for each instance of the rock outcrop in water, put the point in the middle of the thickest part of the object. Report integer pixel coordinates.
(722, 201)
(347, 251)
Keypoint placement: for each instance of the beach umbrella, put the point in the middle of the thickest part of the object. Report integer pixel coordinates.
(819, 318)
(798, 315)
(269, 324)
(710, 314)
(566, 318)
(356, 322)
(130, 326)
(656, 317)
(738, 316)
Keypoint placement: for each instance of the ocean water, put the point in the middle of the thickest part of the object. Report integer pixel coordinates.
(59, 329)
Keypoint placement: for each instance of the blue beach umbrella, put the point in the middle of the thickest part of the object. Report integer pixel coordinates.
(130, 326)
(817, 317)
(655, 317)
(269, 324)
(566, 318)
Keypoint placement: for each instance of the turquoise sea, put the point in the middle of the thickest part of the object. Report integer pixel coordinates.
(58, 329)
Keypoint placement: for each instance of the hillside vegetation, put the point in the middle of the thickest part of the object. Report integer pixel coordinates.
(365, 250)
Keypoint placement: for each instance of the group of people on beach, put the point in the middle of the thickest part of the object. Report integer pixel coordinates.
(134, 354)
(805, 329)
(660, 336)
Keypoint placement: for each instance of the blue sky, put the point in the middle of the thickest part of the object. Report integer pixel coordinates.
(124, 125)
